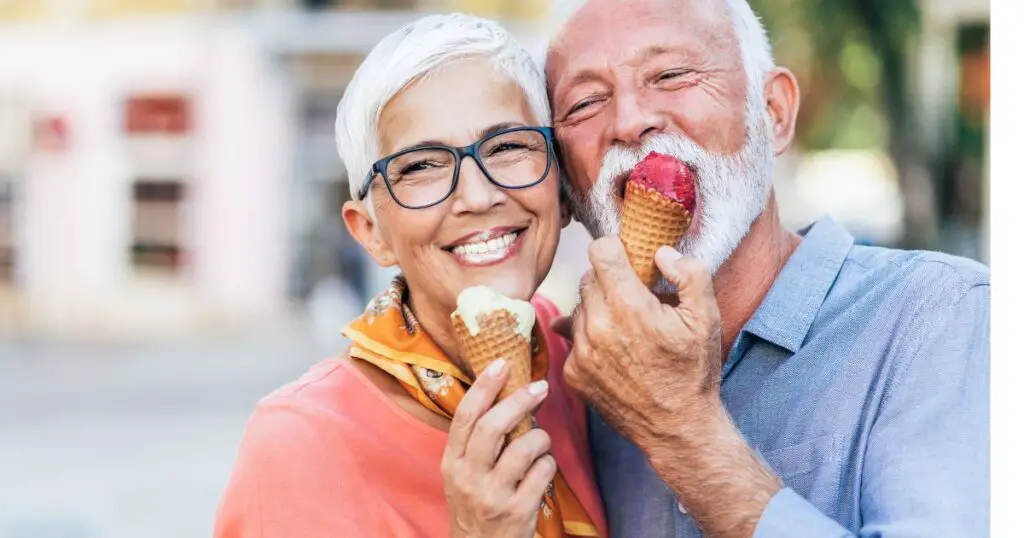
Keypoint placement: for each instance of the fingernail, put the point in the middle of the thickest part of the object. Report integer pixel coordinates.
(668, 254)
(538, 387)
(495, 368)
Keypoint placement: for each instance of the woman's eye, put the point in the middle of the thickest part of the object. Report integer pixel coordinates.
(508, 146)
(419, 166)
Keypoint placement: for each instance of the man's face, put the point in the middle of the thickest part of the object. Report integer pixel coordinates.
(628, 77)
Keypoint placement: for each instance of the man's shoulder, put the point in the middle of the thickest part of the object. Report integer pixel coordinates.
(915, 273)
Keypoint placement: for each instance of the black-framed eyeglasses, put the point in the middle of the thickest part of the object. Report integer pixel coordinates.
(421, 177)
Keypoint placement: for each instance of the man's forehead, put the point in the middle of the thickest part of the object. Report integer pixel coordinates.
(625, 19)
(631, 27)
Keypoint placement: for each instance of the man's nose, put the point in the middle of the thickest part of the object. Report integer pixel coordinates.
(634, 120)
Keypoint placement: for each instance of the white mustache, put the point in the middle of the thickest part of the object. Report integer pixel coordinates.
(619, 160)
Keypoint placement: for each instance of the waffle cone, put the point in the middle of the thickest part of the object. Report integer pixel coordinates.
(498, 339)
(650, 220)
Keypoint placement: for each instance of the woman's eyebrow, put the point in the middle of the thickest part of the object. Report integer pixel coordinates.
(497, 127)
(421, 145)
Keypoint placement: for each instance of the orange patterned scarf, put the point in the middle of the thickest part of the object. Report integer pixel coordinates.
(389, 337)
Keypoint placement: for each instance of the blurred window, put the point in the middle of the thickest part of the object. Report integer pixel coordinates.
(7, 194)
(157, 208)
(158, 128)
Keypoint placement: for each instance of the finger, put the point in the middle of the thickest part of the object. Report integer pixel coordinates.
(563, 327)
(490, 430)
(691, 278)
(536, 481)
(579, 322)
(478, 399)
(519, 456)
(615, 276)
(589, 290)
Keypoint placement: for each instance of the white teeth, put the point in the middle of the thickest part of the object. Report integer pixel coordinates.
(486, 249)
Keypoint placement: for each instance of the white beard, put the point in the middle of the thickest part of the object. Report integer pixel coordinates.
(732, 190)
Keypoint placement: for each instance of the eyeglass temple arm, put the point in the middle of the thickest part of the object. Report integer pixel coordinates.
(366, 184)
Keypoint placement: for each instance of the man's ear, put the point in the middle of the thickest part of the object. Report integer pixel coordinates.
(367, 233)
(782, 97)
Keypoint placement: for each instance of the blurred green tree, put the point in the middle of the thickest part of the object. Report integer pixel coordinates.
(852, 58)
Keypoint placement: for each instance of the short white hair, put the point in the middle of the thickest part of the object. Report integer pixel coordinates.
(755, 48)
(412, 53)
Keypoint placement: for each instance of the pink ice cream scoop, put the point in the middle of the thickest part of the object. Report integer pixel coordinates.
(668, 176)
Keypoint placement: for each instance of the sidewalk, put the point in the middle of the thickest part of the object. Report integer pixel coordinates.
(129, 441)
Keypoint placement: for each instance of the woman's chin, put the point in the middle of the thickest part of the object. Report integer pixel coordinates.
(521, 287)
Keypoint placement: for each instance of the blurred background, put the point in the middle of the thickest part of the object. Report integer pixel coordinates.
(170, 246)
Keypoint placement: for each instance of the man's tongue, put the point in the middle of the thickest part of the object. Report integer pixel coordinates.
(668, 176)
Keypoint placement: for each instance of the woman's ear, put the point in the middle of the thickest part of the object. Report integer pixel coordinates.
(367, 233)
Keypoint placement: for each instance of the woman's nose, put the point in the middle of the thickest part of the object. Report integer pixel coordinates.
(474, 192)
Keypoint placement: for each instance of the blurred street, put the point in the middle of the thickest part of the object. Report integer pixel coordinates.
(129, 441)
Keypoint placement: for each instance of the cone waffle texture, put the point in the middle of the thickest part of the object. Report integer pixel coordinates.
(650, 220)
(498, 339)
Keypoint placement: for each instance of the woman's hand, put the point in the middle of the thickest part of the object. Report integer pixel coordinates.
(488, 495)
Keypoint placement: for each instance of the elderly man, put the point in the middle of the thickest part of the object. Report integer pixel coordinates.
(778, 384)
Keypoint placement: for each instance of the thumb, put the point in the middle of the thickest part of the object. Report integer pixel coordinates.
(690, 277)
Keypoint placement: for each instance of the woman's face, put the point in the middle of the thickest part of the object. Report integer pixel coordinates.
(482, 234)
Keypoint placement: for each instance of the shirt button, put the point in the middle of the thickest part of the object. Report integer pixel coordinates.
(681, 509)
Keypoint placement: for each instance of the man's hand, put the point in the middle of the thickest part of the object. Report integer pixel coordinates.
(650, 369)
(653, 371)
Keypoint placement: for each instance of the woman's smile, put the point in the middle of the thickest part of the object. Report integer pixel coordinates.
(488, 247)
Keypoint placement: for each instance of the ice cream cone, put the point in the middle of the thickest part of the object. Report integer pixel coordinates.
(660, 198)
(497, 338)
(650, 220)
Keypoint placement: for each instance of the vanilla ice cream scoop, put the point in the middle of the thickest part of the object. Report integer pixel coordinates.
(478, 300)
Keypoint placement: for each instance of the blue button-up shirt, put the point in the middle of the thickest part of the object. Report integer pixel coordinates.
(862, 380)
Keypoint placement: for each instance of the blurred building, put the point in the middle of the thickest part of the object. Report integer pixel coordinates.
(953, 93)
(168, 166)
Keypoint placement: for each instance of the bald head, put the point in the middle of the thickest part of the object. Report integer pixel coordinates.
(579, 19)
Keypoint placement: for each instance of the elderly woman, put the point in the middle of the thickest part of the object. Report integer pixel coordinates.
(444, 131)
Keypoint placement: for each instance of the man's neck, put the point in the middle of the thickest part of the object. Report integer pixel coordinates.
(746, 277)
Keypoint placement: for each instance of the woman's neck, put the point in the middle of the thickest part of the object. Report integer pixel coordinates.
(438, 325)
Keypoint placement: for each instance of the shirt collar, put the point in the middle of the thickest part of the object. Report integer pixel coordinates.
(785, 315)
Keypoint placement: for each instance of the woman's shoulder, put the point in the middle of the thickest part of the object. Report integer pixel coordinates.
(331, 390)
(296, 467)
(305, 427)
(315, 387)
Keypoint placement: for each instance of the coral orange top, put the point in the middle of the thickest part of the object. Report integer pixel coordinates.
(331, 456)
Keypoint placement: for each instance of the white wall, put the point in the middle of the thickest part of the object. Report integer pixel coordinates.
(76, 206)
